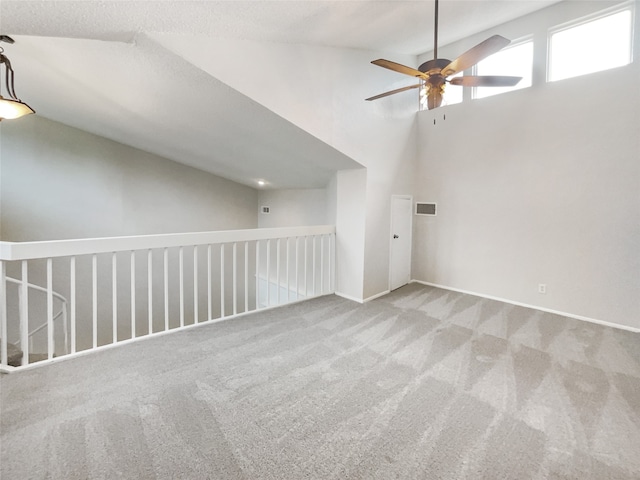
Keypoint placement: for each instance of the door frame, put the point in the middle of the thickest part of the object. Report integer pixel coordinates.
(410, 198)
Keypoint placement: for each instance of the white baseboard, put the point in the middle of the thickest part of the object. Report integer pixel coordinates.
(535, 307)
(349, 297)
(377, 295)
(360, 300)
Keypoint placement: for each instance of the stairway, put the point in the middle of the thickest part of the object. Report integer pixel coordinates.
(14, 356)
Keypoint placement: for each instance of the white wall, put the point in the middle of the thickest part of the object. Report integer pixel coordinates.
(332, 200)
(351, 193)
(293, 207)
(60, 182)
(540, 185)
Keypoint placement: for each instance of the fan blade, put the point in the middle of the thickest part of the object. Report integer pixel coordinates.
(469, 58)
(396, 67)
(485, 81)
(386, 94)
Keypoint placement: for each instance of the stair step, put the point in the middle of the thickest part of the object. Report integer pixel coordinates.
(14, 356)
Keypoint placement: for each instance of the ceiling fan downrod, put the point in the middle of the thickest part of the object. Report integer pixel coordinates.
(435, 35)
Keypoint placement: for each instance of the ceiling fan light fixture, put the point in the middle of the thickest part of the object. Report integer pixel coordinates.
(12, 107)
(424, 92)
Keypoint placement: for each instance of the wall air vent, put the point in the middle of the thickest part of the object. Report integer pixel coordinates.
(264, 210)
(425, 209)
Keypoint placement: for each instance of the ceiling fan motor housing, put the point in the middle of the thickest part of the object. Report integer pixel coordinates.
(436, 65)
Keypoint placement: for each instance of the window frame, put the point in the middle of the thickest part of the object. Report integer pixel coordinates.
(592, 17)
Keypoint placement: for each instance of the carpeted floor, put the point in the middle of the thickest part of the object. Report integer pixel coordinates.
(422, 383)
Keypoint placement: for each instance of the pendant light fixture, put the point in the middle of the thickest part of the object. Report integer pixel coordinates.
(11, 107)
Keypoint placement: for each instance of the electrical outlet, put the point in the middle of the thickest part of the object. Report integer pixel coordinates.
(542, 288)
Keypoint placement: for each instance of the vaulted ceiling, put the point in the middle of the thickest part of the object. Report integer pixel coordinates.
(94, 65)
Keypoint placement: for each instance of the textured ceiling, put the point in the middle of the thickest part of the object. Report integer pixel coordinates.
(396, 26)
(90, 64)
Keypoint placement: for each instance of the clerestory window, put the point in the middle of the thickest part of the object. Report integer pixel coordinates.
(592, 44)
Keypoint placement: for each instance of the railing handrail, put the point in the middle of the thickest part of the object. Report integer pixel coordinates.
(37, 287)
(63, 248)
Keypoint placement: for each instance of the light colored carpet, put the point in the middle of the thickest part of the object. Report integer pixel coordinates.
(422, 383)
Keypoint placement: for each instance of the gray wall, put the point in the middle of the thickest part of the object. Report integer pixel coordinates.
(540, 185)
(59, 182)
(293, 207)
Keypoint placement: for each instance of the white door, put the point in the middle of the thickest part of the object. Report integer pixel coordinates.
(400, 254)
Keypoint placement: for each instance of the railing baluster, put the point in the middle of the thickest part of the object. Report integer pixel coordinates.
(209, 312)
(297, 268)
(257, 274)
(50, 345)
(114, 299)
(94, 284)
(24, 314)
(3, 313)
(165, 267)
(246, 276)
(222, 314)
(306, 278)
(235, 279)
(72, 299)
(195, 284)
(133, 294)
(65, 328)
(181, 267)
(150, 288)
(313, 269)
(268, 273)
(321, 264)
(332, 270)
(287, 276)
(278, 272)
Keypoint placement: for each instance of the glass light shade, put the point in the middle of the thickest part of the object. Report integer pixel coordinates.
(10, 109)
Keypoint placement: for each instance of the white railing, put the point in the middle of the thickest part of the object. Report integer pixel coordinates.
(122, 288)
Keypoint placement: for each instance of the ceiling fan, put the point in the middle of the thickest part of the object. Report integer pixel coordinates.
(433, 73)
